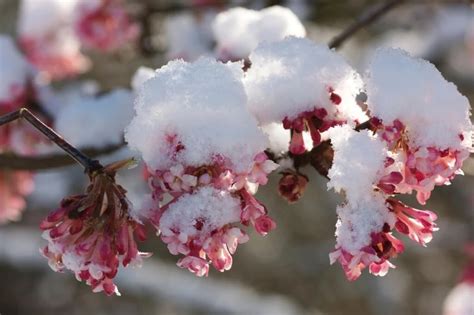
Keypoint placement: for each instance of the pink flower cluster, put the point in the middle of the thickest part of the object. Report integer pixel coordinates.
(417, 224)
(315, 122)
(93, 234)
(214, 235)
(421, 168)
(106, 26)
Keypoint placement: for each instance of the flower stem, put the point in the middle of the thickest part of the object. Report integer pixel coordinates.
(89, 164)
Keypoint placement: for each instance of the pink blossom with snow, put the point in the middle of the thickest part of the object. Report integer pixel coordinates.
(202, 182)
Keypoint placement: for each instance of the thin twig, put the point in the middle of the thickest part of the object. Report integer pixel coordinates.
(369, 17)
(81, 158)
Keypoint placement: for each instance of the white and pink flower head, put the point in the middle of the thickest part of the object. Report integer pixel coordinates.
(362, 171)
(204, 153)
(422, 117)
(94, 233)
(306, 86)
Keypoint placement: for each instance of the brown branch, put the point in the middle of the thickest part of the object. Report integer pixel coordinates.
(77, 155)
(363, 20)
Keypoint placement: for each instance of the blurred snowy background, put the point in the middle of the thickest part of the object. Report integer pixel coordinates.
(288, 271)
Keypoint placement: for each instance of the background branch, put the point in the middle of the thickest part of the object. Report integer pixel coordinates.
(363, 20)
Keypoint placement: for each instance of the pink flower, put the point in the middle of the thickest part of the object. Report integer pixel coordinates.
(207, 201)
(383, 247)
(57, 55)
(417, 168)
(92, 234)
(14, 186)
(106, 26)
(264, 224)
(417, 224)
(314, 122)
(196, 265)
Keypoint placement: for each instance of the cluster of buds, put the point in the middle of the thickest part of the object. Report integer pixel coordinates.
(315, 122)
(105, 25)
(93, 234)
(207, 202)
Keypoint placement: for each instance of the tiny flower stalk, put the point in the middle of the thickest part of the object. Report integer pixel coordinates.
(93, 234)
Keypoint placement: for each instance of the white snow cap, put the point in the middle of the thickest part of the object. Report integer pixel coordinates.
(14, 69)
(41, 17)
(357, 221)
(202, 107)
(96, 121)
(357, 164)
(279, 138)
(294, 75)
(209, 206)
(414, 91)
(238, 30)
(189, 37)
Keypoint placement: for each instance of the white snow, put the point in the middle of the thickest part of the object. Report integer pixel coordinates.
(294, 75)
(202, 107)
(358, 162)
(96, 121)
(357, 221)
(279, 138)
(238, 30)
(207, 206)
(414, 91)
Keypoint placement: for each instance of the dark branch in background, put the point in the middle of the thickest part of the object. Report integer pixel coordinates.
(320, 157)
(89, 164)
(365, 19)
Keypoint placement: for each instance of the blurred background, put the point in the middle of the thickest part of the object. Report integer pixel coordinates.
(288, 271)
